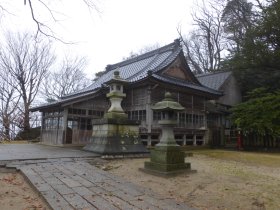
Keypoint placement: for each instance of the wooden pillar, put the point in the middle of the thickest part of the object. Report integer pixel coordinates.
(203, 139)
(184, 140)
(194, 140)
(64, 125)
(192, 114)
(149, 140)
(42, 125)
(149, 116)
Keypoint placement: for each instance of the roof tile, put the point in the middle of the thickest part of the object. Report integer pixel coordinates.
(214, 80)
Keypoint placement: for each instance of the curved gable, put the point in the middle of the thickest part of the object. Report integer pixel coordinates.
(176, 70)
(179, 69)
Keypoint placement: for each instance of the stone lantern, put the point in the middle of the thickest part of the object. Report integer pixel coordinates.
(169, 108)
(116, 96)
(115, 134)
(167, 158)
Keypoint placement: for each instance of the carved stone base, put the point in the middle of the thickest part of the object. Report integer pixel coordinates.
(115, 137)
(167, 160)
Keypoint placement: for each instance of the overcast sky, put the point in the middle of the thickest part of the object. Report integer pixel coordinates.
(105, 38)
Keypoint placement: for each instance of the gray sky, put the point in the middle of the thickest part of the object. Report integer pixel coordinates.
(105, 38)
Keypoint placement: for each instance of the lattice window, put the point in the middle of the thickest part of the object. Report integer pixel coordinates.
(137, 115)
(77, 111)
(157, 115)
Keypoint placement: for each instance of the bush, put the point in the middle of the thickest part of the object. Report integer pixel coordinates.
(32, 134)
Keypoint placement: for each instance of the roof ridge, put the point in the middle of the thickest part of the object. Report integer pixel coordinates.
(212, 73)
(163, 64)
(147, 66)
(162, 49)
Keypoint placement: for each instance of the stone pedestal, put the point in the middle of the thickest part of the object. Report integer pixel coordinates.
(167, 158)
(115, 137)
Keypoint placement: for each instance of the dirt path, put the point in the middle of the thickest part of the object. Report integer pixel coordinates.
(17, 194)
(218, 184)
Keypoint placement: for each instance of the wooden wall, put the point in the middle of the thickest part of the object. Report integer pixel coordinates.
(137, 104)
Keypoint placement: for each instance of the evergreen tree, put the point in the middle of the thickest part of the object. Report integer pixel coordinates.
(257, 63)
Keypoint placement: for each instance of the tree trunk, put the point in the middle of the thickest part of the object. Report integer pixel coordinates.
(6, 125)
(26, 123)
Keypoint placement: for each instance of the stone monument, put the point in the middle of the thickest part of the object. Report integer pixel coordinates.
(167, 158)
(115, 134)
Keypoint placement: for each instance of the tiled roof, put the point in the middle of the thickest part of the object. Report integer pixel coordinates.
(136, 69)
(183, 83)
(61, 101)
(214, 80)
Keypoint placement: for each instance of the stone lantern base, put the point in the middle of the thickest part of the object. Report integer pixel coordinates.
(115, 137)
(167, 160)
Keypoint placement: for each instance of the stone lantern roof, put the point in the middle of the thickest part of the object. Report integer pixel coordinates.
(168, 104)
(116, 79)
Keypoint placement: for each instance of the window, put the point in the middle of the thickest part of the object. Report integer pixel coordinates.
(142, 115)
(186, 119)
(134, 115)
(189, 120)
(77, 111)
(52, 123)
(95, 113)
(89, 124)
(80, 123)
(60, 123)
(182, 119)
(195, 117)
(137, 115)
(201, 120)
(156, 115)
(72, 123)
(198, 120)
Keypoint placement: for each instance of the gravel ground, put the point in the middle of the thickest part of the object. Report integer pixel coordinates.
(218, 184)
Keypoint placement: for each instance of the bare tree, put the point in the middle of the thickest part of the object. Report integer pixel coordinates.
(204, 45)
(43, 26)
(28, 61)
(9, 100)
(69, 78)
